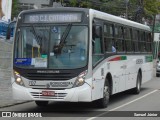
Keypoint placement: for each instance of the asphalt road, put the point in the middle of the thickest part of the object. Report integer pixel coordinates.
(123, 106)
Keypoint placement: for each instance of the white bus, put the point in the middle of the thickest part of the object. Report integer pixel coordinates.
(78, 55)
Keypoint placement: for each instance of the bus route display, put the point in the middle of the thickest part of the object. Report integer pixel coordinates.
(52, 17)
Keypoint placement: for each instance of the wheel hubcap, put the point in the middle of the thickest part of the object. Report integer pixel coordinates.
(138, 83)
(106, 93)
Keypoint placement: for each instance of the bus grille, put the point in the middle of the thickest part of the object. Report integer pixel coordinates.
(56, 96)
(49, 76)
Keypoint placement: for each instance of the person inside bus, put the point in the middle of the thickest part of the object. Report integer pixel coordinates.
(113, 49)
(77, 47)
(73, 52)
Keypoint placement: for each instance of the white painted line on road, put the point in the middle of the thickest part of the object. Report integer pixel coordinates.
(134, 100)
(122, 105)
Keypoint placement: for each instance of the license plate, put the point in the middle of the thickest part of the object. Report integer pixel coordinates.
(48, 93)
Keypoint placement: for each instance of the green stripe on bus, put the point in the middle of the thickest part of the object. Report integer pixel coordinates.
(123, 57)
(148, 58)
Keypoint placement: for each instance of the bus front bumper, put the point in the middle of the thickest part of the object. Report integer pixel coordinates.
(77, 94)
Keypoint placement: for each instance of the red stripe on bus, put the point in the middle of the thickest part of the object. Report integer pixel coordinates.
(115, 59)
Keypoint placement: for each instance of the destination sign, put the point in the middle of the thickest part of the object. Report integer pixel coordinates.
(52, 17)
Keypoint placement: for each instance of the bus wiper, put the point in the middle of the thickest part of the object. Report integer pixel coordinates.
(58, 48)
(34, 32)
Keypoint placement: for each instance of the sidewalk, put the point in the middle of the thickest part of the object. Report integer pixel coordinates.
(5, 75)
(6, 93)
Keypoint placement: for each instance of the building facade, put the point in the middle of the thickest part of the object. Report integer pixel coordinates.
(33, 4)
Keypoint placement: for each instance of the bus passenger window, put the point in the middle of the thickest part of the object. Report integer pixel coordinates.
(108, 38)
(127, 36)
(135, 40)
(120, 43)
(97, 40)
(148, 44)
(142, 43)
(97, 46)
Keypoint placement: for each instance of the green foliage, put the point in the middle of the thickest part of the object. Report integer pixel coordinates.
(119, 7)
(15, 8)
(86, 4)
(134, 10)
(73, 3)
(157, 27)
(151, 7)
(82, 3)
(111, 7)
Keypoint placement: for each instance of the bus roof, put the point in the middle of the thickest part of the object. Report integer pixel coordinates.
(96, 14)
(116, 19)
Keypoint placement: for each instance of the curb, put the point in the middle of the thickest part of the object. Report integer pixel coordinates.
(13, 104)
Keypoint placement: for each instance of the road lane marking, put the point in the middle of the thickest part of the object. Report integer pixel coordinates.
(122, 105)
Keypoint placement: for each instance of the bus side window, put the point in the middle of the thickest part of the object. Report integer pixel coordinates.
(97, 40)
(142, 43)
(108, 38)
(135, 40)
(97, 46)
(127, 36)
(120, 43)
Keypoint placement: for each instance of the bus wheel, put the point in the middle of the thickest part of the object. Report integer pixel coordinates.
(103, 102)
(41, 103)
(137, 89)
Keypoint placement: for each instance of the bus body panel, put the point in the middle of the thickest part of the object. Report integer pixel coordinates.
(78, 94)
(124, 74)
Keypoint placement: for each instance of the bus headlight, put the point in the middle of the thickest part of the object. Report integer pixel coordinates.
(80, 79)
(18, 78)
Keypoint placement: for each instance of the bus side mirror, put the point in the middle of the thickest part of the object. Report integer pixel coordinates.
(10, 29)
(96, 31)
(8, 34)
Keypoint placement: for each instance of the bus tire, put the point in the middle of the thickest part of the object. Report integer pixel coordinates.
(103, 102)
(137, 89)
(41, 103)
(157, 75)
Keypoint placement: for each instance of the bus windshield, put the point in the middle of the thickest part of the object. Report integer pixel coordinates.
(36, 46)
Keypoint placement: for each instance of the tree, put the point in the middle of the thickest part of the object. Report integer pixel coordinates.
(157, 28)
(123, 8)
(112, 7)
(57, 1)
(86, 4)
(152, 8)
(73, 3)
(134, 10)
(80, 3)
(15, 9)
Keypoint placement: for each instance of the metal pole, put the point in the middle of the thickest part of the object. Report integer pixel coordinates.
(127, 1)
